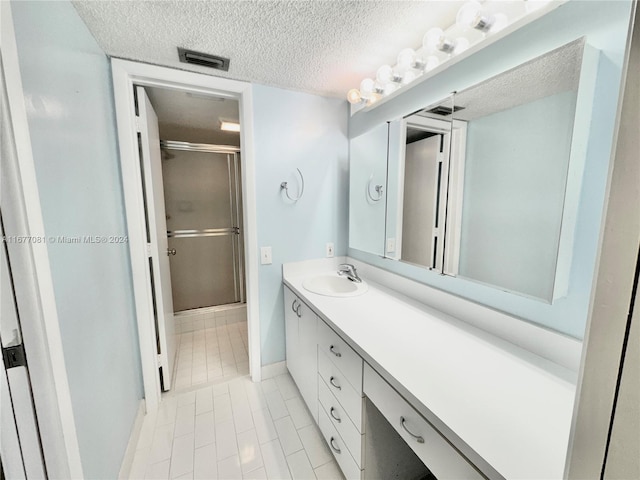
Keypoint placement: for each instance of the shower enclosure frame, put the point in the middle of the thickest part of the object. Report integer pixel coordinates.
(233, 159)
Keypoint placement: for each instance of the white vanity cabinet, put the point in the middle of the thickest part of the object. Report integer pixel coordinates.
(301, 348)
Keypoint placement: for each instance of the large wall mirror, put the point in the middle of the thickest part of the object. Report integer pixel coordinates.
(476, 184)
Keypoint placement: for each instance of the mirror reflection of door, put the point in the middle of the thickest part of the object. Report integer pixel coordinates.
(422, 181)
(417, 190)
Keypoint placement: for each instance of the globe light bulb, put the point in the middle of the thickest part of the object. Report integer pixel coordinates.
(500, 21)
(461, 45)
(431, 62)
(435, 39)
(409, 76)
(468, 15)
(432, 39)
(366, 88)
(390, 87)
(406, 59)
(353, 96)
(384, 74)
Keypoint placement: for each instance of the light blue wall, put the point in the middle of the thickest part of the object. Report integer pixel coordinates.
(605, 25)
(67, 84)
(515, 175)
(309, 132)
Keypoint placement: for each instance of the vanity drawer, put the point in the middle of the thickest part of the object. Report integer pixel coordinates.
(341, 354)
(337, 446)
(349, 398)
(437, 454)
(341, 421)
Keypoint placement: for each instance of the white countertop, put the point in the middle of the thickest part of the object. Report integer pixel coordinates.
(505, 408)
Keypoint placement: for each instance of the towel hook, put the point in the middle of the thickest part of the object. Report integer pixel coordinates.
(285, 186)
(377, 188)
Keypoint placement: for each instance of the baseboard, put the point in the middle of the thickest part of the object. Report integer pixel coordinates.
(129, 454)
(273, 370)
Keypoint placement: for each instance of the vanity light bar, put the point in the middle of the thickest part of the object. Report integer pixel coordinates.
(438, 46)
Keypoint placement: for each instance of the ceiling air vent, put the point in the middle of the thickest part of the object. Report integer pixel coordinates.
(204, 59)
(443, 110)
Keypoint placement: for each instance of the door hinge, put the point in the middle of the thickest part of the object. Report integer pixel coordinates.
(14, 356)
(159, 361)
(148, 249)
(137, 122)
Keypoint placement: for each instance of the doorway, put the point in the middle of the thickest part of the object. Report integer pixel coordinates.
(146, 255)
(193, 197)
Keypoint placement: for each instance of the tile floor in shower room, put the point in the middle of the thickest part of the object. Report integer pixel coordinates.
(212, 346)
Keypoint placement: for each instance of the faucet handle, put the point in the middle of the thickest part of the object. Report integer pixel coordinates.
(346, 267)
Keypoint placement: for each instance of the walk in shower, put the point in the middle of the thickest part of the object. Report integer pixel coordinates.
(203, 205)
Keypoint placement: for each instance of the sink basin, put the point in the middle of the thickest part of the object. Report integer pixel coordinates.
(333, 285)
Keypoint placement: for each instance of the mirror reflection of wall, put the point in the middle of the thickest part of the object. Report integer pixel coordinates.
(367, 190)
(518, 145)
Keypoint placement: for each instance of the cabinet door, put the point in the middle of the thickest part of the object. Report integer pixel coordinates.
(308, 350)
(291, 306)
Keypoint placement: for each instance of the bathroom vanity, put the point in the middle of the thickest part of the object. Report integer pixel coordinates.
(468, 403)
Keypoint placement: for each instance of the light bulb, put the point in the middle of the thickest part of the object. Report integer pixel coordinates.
(406, 59)
(353, 96)
(366, 88)
(461, 45)
(435, 39)
(432, 38)
(390, 87)
(500, 21)
(378, 87)
(471, 15)
(408, 77)
(384, 74)
(431, 63)
(468, 15)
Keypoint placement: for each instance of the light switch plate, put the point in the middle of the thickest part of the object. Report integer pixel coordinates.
(330, 250)
(391, 245)
(265, 256)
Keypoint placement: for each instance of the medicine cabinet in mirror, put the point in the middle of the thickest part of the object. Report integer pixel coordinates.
(477, 184)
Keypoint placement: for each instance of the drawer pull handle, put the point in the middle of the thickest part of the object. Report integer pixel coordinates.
(337, 419)
(293, 306)
(335, 449)
(335, 385)
(298, 308)
(418, 438)
(337, 354)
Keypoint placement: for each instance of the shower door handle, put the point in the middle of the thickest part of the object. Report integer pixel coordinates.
(171, 251)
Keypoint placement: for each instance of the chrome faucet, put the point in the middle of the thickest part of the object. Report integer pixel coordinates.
(349, 271)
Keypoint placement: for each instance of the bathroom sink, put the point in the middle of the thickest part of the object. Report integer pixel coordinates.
(333, 285)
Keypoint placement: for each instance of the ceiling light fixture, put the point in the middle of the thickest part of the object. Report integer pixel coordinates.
(438, 46)
(229, 126)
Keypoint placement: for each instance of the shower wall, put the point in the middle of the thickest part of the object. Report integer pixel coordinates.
(202, 198)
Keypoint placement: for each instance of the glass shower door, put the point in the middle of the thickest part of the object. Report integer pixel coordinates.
(202, 198)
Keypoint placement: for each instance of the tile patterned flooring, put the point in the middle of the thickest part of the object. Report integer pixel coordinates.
(214, 354)
(234, 430)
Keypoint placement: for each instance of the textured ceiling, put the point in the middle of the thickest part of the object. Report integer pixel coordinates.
(556, 72)
(318, 46)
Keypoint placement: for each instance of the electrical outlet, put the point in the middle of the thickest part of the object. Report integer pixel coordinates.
(265, 256)
(391, 245)
(330, 250)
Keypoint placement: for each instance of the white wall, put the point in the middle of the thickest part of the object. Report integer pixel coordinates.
(66, 79)
(309, 132)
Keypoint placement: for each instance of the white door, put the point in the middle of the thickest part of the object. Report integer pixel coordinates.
(159, 246)
(20, 446)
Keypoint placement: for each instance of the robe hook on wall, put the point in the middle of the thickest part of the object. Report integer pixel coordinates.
(285, 186)
(377, 189)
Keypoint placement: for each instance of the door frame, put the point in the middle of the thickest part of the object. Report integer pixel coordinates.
(33, 283)
(126, 74)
